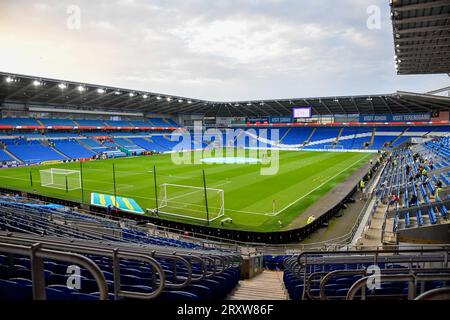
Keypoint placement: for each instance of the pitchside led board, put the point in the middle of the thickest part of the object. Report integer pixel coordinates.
(301, 112)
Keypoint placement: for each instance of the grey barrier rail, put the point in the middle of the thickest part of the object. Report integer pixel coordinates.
(119, 293)
(411, 278)
(376, 254)
(116, 255)
(435, 294)
(37, 254)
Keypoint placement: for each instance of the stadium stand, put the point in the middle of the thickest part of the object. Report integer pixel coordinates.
(18, 122)
(90, 123)
(297, 136)
(192, 274)
(5, 156)
(57, 122)
(338, 275)
(32, 151)
(73, 149)
(158, 122)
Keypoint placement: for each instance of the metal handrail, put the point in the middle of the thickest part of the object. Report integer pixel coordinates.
(411, 278)
(136, 295)
(376, 253)
(37, 253)
(359, 284)
(88, 247)
(363, 272)
(329, 275)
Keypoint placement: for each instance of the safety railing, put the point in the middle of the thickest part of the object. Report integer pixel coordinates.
(37, 253)
(210, 265)
(411, 278)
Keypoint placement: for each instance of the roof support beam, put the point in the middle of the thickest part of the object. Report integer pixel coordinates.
(386, 104)
(283, 106)
(395, 100)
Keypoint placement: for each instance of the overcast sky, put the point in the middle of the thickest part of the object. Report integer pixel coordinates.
(220, 50)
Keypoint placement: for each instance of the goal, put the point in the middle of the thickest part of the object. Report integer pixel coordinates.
(189, 202)
(61, 179)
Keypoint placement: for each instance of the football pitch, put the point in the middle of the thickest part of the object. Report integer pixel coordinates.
(253, 201)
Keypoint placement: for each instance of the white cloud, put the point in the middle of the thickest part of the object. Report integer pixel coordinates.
(105, 25)
(219, 50)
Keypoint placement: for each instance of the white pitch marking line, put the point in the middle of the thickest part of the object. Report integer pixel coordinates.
(319, 186)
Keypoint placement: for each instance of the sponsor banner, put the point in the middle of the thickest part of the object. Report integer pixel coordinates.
(408, 117)
(238, 120)
(285, 119)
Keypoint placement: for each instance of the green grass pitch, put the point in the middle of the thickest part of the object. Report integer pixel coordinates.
(254, 202)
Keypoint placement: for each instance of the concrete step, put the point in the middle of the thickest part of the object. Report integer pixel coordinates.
(266, 286)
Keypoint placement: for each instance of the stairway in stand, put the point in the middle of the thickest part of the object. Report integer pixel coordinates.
(373, 233)
(266, 286)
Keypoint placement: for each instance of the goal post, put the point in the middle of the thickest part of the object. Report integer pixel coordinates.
(188, 202)
(60, 179)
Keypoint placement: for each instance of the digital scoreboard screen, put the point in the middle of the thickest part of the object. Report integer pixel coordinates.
(303, 112)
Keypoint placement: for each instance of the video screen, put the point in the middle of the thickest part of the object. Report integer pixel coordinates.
(303, 112)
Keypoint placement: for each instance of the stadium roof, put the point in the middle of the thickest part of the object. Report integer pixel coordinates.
(421, 36)
(28, 91)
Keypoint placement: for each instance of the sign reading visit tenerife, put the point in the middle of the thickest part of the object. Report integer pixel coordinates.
(408, 117)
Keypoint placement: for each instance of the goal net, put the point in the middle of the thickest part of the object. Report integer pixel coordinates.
(189, 202)
(61, 179)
